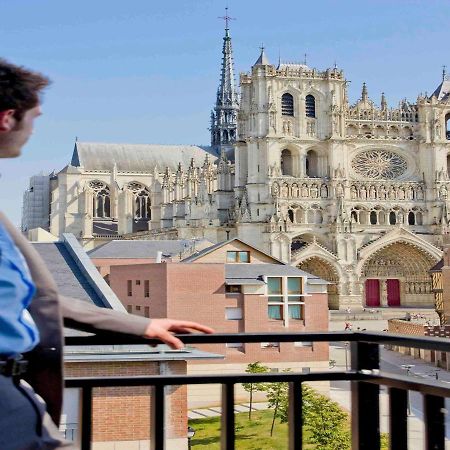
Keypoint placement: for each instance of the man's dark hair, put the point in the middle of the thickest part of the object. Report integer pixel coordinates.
(19, 88)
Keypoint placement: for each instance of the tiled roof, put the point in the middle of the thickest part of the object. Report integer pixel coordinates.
(137, 157)
(143, 248)
(70, 280)
(254, 273)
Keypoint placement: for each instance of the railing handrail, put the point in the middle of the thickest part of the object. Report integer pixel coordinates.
(425, 342)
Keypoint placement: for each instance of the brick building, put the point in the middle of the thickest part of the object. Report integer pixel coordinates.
(233, 287)
(114, 427)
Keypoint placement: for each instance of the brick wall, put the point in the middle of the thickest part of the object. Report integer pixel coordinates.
(123, 413)
(197, 292)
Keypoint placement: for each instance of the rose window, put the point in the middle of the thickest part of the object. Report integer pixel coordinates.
(379, 164)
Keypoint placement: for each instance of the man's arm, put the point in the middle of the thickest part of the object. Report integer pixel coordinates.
(84, 315)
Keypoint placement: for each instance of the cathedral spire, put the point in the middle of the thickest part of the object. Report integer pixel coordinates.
(364, 94)
(224, 116)
(383, 102)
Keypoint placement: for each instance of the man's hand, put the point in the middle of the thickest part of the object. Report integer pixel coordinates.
(162, 329)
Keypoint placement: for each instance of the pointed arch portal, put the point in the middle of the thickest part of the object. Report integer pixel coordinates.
(398, 275)
(325, 270)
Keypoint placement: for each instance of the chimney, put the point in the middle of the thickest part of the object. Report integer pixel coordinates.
(158, 257)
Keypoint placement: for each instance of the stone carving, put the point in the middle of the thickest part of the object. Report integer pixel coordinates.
(379, 164)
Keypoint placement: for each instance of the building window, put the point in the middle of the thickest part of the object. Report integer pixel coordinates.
(233, 313)
(138, 308)
(237, 345)
(130, 309)
(303, 344)
(238, 257)
(284, 295)
(310, 106)
(275, 345)
(286, 163)
(233, 288)
(101, 204)
(146, 288)
(447, 126)
(147, 311)
(287, 105)
(138, 282)
(129, 288)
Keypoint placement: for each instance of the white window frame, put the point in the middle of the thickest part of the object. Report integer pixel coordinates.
(233, 313)
(285, 303)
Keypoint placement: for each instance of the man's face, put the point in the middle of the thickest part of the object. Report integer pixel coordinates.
(14, 133)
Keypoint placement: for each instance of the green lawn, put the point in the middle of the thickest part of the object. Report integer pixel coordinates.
(250, 435)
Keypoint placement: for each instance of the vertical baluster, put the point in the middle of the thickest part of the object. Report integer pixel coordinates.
(365, 399)
(295, 420)
(398, 429)
(158, 419)
(86, 418)
(227, 418)
(434, 422)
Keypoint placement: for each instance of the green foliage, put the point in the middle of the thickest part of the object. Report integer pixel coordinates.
(255, 367)
(326, 420)
(277, 396)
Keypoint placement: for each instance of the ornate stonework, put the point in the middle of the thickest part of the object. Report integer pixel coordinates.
(379, 165)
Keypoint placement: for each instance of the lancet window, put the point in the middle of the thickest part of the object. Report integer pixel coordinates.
(101, 205)
(310, 106)
(447, 126)
(287, 104)
(286, 162)
(142, 203)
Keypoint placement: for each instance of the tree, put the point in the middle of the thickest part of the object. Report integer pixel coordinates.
(326, 421)
(277, 396)
(255, 367)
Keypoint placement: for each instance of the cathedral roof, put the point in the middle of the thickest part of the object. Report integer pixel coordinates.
(443, 90)
(136, 157)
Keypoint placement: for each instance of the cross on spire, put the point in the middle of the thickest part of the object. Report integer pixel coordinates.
(226, 17)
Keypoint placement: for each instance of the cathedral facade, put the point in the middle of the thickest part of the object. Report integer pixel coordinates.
(354, 193)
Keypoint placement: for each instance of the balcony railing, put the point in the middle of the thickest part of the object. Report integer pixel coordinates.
(364, 374)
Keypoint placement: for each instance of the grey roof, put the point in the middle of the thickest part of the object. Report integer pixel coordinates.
(134, 353)
(254, 273)
(442, 91)
(142, 248)
(207, 250)
(69, 278)
(104, 228)
(136, 157)
(262, 60)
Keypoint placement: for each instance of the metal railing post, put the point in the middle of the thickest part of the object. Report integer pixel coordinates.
(365, 415)
(227, 418)
(85, 413)
(158, 413)
(295, 418)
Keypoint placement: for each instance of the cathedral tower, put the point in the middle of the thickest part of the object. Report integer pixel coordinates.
(224, 116)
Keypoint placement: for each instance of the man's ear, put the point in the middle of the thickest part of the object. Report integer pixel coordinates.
(7, 120)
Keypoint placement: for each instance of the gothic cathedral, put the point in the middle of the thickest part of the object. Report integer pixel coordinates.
(356, 194)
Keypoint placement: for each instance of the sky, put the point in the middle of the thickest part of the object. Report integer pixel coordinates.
(143, 71)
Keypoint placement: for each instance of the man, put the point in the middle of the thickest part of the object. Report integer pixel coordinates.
(32, 311)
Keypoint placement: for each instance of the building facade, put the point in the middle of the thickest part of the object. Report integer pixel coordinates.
(354, 193)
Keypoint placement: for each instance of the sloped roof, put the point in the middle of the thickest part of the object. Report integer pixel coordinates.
(138, 249)
(208, 250)
(254, 273)
(69, 278)
(136, 157)
(442, 91)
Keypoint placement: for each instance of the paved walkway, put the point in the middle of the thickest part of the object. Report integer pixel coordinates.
(216, 411)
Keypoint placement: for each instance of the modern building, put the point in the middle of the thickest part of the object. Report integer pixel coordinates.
(114, 427)
(355, 193)
(125, 252)
(233, 287)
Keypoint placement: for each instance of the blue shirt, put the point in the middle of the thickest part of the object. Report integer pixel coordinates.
(18, 332)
